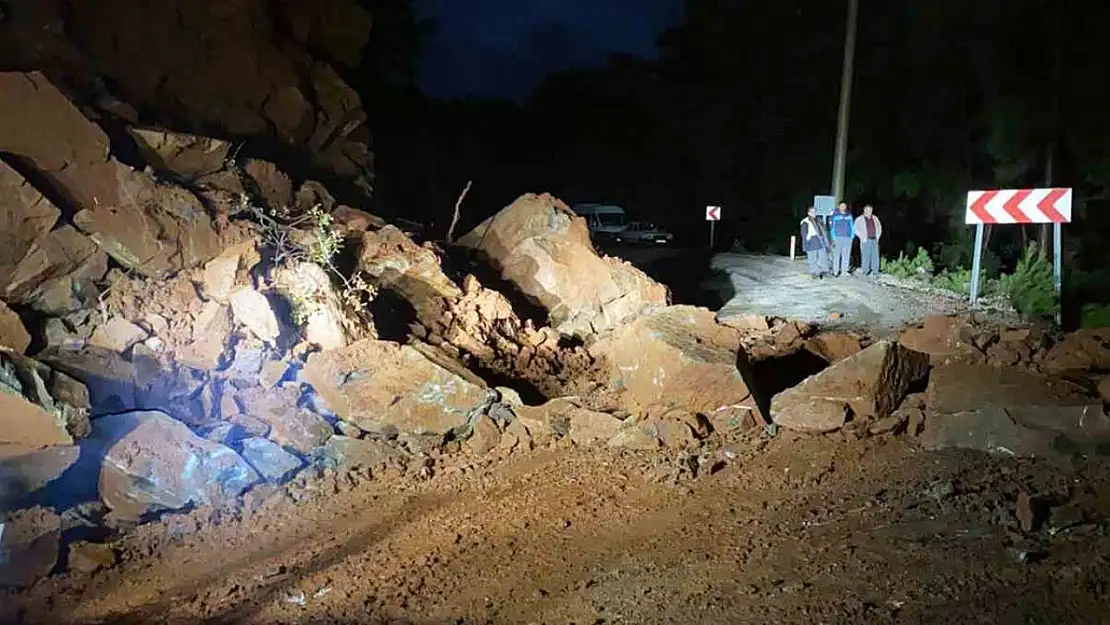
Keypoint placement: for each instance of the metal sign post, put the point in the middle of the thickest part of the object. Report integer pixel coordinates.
(1019, 206)
(712, 215)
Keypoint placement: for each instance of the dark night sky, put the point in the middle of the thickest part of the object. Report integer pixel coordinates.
(503, 48)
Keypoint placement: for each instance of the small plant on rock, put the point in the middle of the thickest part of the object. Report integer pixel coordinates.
(309, 238)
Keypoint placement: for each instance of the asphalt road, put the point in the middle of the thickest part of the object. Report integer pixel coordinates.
(776, 286)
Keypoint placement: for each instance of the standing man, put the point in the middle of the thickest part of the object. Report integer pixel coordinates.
(869, 230)
(815, 244)
(841, 226)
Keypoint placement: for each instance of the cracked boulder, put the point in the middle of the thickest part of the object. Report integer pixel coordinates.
(679, 357)
(543, 248)
(871, 384)
(383, 387)
(154, 463)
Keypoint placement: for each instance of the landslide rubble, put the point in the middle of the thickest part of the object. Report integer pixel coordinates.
(186, 337)
(182, 336)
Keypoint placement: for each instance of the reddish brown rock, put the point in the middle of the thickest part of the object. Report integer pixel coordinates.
(154, 463)
(542, 247)
(1082, 350)
(59, 273)
(344, 454)
(12, 333)
(25, 218)
(1011, 412)
(188, 156)
(291, 425)
(394, 261)
(942, 337)
(354, 221)
(872, 383)
(1104, 389)
(484, 438)
(835, 346)
(117, 334)
(243, 69)
(24, 470)
(381, 386)
(273, 184)
(29, 425)
(31, 543)
(146, 226)
(679, 357)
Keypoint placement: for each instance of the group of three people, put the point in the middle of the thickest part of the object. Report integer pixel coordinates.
(845, 230)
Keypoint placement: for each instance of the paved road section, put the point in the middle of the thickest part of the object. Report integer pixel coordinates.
(776, 286)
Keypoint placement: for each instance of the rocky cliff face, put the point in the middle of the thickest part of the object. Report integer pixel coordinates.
(246, 69)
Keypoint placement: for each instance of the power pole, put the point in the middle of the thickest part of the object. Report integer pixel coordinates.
(845, 102)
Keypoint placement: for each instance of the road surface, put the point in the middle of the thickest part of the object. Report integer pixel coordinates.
(776, 286)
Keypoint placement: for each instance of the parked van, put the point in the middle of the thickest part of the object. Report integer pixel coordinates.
(605, 221)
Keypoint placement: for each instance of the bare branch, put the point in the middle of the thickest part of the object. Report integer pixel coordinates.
(455, 218)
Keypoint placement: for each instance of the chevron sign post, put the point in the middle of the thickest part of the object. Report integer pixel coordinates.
(1018, 206)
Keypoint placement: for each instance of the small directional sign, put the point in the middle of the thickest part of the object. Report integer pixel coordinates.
(712, 213)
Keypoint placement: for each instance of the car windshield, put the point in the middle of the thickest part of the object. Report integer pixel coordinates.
(611, 219)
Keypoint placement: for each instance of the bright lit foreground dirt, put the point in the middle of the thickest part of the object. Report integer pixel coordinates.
(794, 530)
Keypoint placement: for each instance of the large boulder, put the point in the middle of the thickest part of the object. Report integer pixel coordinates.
(384, 387)
(146, 226)
(679, 357)
(50, 269)
(154, 463)
(542, 247)
(1011, 411)
(871, 384)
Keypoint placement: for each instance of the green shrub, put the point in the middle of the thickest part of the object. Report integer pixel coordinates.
(919, 266)
(1030, 288)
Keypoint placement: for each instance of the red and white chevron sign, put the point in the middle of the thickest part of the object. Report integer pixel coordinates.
(1019, 206)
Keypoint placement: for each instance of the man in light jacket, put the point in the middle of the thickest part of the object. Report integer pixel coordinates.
(841, 226)
(815, 244)
(869, 230)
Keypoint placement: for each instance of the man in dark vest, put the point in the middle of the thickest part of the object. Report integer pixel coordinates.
(815, 243)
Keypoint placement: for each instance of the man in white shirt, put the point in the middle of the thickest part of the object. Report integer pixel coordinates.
(869, 230)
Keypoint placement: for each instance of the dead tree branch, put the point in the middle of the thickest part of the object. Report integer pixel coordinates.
(455, 217)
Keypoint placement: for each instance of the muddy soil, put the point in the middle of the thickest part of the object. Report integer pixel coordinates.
(786, 530)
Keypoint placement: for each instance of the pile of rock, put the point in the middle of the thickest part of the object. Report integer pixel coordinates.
(187, 346)
(1010, 391)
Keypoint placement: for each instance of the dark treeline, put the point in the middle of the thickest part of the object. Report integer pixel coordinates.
(739, 109)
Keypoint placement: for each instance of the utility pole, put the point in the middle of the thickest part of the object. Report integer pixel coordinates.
(845, 102)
